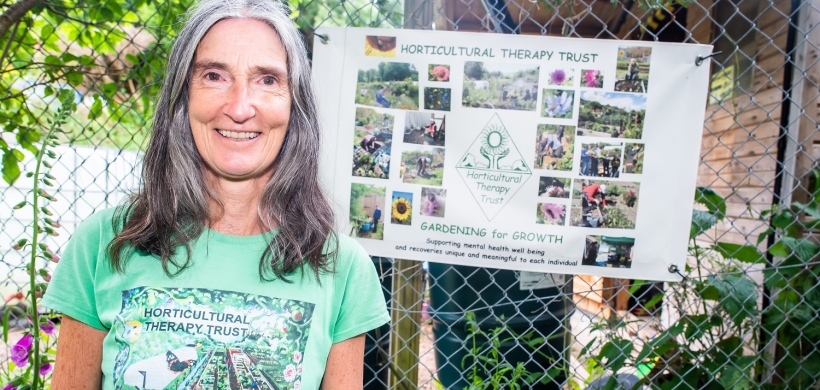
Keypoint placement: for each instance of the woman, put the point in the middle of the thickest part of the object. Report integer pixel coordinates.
(223, 271)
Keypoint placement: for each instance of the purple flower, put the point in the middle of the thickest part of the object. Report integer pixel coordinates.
(25, 342)
(47, 327)
(9, 387)
(45, 369)
(554, 213)
(19, 356)
(558, 77)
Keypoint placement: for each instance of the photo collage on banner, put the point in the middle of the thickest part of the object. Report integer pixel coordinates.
(399, 138)
(541, 168)
(590, 167)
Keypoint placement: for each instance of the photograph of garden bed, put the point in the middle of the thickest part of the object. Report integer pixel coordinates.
(611, 115)
(389, 85)
(500, 86)
(619, 212)
(372, 143)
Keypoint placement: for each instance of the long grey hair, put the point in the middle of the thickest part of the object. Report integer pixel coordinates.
(171, 208)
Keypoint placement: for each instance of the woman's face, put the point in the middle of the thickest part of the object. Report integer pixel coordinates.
(239, 99)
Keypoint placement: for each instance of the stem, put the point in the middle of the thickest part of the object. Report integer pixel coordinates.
(700, 278)
(35, 317)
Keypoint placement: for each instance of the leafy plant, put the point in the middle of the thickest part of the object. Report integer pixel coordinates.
(718, 316)
(32, 347)
(489, 368)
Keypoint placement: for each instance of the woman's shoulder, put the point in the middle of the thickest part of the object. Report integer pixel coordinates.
(100, 222)
(348, 249)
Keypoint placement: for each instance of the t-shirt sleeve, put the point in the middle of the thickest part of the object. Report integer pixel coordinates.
(71, 289)
(363, 306)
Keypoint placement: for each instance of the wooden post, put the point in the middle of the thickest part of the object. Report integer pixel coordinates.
(408, 293)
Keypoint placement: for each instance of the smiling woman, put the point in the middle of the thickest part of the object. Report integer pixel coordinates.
(227, 254)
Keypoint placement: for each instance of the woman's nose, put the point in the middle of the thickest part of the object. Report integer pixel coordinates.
(240, 103)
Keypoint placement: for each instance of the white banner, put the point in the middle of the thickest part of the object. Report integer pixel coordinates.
(561, 155)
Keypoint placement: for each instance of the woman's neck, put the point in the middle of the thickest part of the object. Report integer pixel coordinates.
(238, 214)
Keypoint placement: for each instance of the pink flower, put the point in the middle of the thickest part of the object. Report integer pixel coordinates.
(441, 73)
(591, 78)
(554, 213)
(297, 356)
(290, 373)
(297, 385)
(299, 370)
(45, 369)
(47, 327)
(558, 76)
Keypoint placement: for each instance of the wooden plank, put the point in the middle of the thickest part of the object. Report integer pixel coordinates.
(743, 102)
(749, 148)
(699, 22)
(733, 237)
(765, 134)
(749, 119)
(758, 179)
(406, 324)
(741, 165)
(743, 195)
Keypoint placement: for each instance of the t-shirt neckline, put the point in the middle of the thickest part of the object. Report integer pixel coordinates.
(262, 238)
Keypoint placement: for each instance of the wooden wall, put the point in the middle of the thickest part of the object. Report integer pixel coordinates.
(739, 149)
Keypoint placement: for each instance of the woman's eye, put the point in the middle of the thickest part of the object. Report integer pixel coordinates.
(212, 76)
(269, 80)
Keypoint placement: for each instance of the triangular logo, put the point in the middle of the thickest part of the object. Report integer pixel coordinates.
(493, 168)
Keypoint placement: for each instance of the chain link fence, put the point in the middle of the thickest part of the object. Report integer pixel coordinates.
(744, 316)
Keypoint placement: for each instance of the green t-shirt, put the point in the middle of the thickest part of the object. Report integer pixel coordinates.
(216, 325)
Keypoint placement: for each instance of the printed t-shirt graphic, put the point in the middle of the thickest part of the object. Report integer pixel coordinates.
(191, 338)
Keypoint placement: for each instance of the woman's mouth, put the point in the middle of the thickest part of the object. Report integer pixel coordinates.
(238, 134)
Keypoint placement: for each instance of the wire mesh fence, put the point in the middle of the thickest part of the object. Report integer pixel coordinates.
(745, 314)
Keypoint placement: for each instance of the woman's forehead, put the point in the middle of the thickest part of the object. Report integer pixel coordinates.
(247, 40)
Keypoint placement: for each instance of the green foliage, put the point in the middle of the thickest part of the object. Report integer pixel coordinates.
(107, 55)
(40, 350)
(487, 365)
(695, 351)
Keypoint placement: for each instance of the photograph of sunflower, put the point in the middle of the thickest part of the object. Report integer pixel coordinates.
(551, 214)
(401, 212)
(376, 46)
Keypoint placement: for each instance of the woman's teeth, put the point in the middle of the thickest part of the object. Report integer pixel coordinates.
(238, 134)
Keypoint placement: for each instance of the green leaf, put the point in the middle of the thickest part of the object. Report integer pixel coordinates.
(74, 78)
(11, 167)
(96, 108)
(109, 89)
(46, 31)
(52, 60)
(802, 249)
(745, 253)
(616, 352)
(86, 60)
(701, 222)
(737, 296)
(713, 202)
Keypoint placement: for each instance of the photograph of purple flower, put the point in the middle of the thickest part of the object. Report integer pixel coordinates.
(558, 103)
(551, 214)
(562, 77)
(591, 78)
